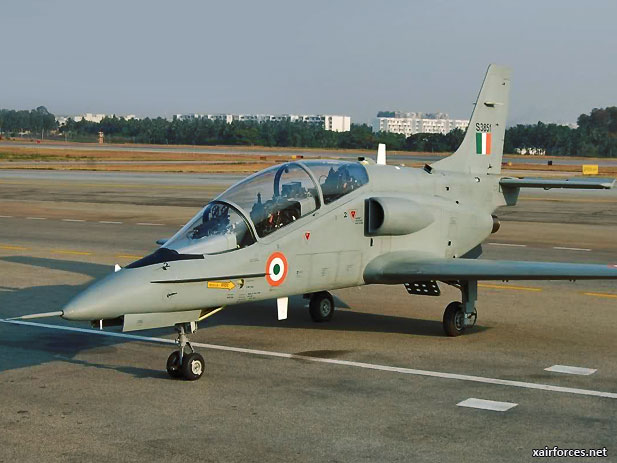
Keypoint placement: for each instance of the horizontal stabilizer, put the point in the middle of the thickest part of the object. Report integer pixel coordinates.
(578, 183)
(405, 267)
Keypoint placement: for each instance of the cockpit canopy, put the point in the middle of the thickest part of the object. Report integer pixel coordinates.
(275, 197)
(270, 200)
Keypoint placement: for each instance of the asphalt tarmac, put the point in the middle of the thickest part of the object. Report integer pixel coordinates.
(231, 150)
(380, 382)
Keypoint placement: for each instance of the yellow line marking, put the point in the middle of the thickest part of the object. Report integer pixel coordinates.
(612, 296)
(517, 288)
(15, 248)
(128, 256)
(78, 253)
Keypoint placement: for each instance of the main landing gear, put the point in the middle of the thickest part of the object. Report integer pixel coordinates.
(321, 306)
(461, 315)
(190, 366)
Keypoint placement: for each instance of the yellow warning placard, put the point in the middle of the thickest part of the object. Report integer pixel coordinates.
(590, 169)
(221, 285)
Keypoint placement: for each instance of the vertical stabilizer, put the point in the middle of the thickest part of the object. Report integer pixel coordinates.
(482, 148)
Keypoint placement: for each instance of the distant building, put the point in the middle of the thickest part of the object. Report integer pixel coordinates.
(412, 123)
(89, 117)
(334, 123)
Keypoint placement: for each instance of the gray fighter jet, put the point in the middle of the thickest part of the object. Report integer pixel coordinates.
(308, 227)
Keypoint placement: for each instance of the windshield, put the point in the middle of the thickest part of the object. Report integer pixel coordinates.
(217, 228)
(337, 178)
(275, 197)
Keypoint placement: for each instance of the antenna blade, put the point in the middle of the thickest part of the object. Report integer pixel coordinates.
(281, 306)
(381, 154)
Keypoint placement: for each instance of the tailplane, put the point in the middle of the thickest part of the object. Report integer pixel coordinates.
(482, 148)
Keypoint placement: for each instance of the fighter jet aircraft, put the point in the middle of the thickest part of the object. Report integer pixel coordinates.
(308, 227)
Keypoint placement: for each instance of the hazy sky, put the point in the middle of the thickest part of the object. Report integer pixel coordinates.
(338, 57)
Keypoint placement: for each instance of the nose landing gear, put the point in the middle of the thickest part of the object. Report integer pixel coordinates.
(180, 364)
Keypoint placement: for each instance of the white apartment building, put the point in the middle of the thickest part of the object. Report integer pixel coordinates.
(91, 118)
(331, 122)
(412, 123)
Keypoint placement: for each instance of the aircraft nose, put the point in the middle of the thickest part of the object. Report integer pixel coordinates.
(121, 292)
(91, 304)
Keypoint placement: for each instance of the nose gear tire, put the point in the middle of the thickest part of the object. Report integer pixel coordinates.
(192, 366)
(174, 368)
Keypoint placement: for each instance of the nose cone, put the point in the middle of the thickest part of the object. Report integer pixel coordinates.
(94, 303)
(125, 291)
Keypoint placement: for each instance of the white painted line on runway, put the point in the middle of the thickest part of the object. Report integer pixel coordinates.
(36, 218)
(109, 221)
(509, 244)
(73, 220)
(571, 370)
(487, 405)
(306, 358)
(148, 223)
(571, 249)
(6, 216)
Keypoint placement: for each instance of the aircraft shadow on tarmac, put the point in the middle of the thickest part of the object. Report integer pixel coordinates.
(21, 347)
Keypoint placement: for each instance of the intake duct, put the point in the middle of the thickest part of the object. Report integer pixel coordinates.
(395, 216)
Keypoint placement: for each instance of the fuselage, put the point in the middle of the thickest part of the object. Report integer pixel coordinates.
(327, 248)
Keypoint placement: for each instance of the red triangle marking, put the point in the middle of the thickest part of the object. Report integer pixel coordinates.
(307, 235)
(353, 214)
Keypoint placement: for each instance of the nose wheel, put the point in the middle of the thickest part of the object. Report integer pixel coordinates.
(181, 364)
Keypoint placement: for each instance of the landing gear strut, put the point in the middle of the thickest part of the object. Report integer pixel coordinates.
(461, 315)
(182, 364)
(321, 306)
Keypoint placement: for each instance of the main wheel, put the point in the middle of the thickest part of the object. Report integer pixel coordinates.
(192, 366)
(174, 368)
(454, 319)
(321, 307)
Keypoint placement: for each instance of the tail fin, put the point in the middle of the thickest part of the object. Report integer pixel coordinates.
(482, 148)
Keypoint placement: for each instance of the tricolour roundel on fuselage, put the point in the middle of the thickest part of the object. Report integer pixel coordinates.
(276, 269)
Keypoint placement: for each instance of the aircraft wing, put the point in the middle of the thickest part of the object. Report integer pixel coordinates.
(578, 183)
(396, 268)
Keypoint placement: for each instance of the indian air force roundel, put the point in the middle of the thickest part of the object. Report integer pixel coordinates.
(276, 269)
